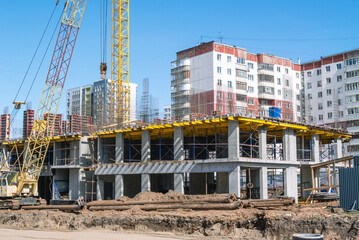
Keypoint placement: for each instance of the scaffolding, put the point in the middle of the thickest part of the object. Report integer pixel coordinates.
(304, 148)
(89, 183)
(66, 154)
(249, 140)
(274, 145)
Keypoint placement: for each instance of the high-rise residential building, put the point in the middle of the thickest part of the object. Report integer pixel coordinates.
(102, 102)
(167, 112)
(64, 126)
(331, 94)
(79, 101)
(57, 125)
(215, 78)
(79, 124)
(28, 122)
(5, 120)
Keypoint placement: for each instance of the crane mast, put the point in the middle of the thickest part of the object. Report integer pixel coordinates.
(120, 105)
(39, 139)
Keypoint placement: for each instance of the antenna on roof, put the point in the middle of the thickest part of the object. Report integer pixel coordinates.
(221, 36)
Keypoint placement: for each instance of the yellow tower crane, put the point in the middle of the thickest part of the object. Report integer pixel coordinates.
(120, 90)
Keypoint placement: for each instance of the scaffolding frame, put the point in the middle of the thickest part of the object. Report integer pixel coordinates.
(249, 140)
(274, 147)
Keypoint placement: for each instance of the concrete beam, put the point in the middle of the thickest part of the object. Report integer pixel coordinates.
(235, 181)
(146, 146)
(289, 145)
(119, 187)
(263, 142)
(263, 179)
(120, 147)
(233, 139)
(315, 155)
(145, 182)
(178, 143)
(291, 183)
(178, 181)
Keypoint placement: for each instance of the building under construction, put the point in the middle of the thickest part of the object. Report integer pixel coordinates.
(222, 154)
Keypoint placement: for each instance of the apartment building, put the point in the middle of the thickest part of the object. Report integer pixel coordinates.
(331, 94)
(5, 120)
(28, 122)
(94, 101)
(214, 78)
(167, 112)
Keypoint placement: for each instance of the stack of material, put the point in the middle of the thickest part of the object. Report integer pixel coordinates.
(261, 203)
(324, 196)
(198, 202)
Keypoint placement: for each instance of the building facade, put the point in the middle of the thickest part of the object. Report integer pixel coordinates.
(167, 112)
(79, 101)
(214, 78)
(331, 94)
(28, 122)
(5, 120)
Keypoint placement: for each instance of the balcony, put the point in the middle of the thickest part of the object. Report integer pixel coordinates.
(180, 69)
(180, 93)
(265, 68)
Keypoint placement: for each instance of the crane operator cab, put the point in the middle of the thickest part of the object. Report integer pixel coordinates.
(8, 184)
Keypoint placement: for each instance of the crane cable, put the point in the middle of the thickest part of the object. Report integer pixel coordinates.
(103, 37)
(37, 48)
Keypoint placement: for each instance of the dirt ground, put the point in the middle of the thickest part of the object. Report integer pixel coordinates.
(244, 223)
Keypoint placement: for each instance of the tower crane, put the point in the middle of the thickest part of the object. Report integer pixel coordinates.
(42, 131)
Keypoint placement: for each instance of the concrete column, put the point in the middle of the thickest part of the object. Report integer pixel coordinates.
(289, 145)
(178, 183)
(178, 143)
(145, 146)
(99, 150)
(305, 180)
(120, 147)
(84, 152)
(235, 181)
(145, 182)
(222, 182)
(263, 179)
(290, 183)
(74, 183)
(338, 148)
(233, 139)
(100, 189)
(315, 148)
(263, 142)
(119, 187)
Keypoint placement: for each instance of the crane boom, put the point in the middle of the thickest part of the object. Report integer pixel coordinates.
(39, 139)
(120, 106)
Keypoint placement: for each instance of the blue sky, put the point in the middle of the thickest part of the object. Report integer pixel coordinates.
(160, 28)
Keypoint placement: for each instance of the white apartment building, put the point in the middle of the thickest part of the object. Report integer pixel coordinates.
(95, 101)
(215, 78)
(331, 94)
(167, 112)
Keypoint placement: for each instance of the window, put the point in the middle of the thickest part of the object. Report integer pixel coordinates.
(287, 105)
(250, 65)
(279, 92)
(219, 57)
(309, 74)
(250, 77)
(320, 106)
(229, 59)
(250, 89)
(241, 85)
(229, 71)
(279, 104)
(341, 113)
(219, 82)
(319, 72)
(241, 60)
(339, 78)
(327, 68)
(320, 117)
(278, 69)
(351, 61)
(250, 101)
(264, 102)
(329, 103)
(310, 96)
(298, 108)
(352, 74)
(352, 111)
(286, 71)
(329, 80)
(330, 115)
(329, 92)
(297, 75)
(339, 102)
(297, 86)
(230, 97)
(298, 97)
(219, 95)
(266, 90)
(287, 83)
(230, 84)
(219, 70)
(309, 85)
(241, 73)
(339, 66)
(278, 81)
(241, 97)
(319, 84)
(340, 90)
(351, 86)
(220, 108)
